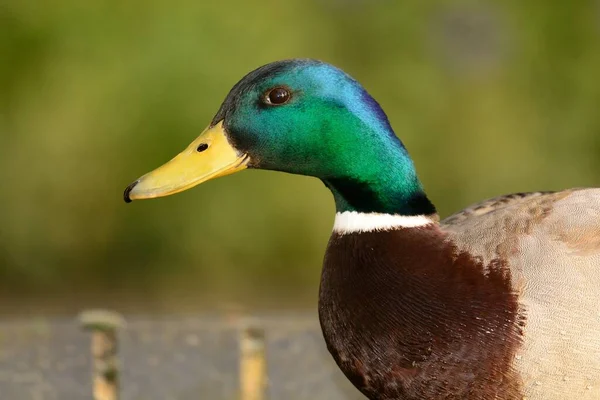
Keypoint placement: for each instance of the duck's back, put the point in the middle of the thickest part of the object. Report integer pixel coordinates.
(551, 242)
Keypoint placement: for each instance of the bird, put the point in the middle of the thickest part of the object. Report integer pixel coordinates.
(498, 301)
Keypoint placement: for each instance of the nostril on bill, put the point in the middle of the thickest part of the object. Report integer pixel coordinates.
(201, 147)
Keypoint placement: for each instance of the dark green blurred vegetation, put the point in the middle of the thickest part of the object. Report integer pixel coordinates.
(489, 98)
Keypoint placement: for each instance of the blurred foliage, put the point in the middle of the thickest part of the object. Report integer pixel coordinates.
(489, 97)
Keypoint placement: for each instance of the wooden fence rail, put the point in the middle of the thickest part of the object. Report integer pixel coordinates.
(105, 325)
(253, 364)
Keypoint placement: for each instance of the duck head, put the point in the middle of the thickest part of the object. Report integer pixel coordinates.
(302, 117)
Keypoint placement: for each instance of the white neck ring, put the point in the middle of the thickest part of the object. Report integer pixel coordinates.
(353, 222)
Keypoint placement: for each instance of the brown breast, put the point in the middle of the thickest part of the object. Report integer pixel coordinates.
(407, 316)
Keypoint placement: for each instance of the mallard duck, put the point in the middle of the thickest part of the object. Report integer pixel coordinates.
(499, 301)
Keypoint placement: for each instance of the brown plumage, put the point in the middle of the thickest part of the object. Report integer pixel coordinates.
(500, 301)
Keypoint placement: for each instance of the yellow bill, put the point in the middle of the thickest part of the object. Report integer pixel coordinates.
(207, 157)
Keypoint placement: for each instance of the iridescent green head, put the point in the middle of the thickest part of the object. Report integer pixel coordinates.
(302, 117)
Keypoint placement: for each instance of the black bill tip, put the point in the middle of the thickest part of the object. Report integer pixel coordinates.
(128, 191)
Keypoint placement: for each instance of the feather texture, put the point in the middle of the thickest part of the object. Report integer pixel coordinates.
(500, 301)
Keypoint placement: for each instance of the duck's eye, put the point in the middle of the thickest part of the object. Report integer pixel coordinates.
(277, 96)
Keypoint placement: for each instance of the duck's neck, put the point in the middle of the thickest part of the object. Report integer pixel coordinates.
(382, 181)
(354, 195)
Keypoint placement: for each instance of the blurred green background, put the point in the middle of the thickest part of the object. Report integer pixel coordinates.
(489, 98)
